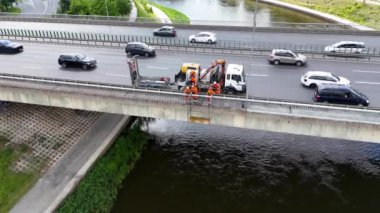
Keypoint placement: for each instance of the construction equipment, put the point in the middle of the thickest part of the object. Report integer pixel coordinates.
(146, 81)
(231, 80)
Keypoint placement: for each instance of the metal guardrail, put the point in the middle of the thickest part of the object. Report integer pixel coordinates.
(350, 114)
(177, 44)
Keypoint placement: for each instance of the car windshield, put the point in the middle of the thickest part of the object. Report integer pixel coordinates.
(336, 77)
(80, 56)
(357, 92)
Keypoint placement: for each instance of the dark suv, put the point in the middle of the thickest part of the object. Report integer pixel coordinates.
(139, 48)
(165, 31)
(76, 60)
(340, 94)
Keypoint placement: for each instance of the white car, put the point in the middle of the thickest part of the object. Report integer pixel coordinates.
(316, 78)
(346, 47)
(203, 37)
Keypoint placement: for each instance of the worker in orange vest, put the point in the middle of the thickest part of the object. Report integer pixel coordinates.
(216, 87)
(194, 91)
(187, 93)
(193, 79)
(210, 93)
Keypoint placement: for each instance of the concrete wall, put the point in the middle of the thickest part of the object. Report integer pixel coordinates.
(117, 102)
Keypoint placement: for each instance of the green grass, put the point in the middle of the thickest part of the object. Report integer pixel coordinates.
(175, 16)
(364, 14)
(13, 10)
(13, 185)
(98, 190)
(144, 13)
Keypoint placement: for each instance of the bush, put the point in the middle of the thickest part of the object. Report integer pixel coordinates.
(98, 190)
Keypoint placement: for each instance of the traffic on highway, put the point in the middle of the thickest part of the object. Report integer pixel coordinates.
(263, 80)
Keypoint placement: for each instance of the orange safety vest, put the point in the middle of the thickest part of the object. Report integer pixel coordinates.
(217, 88)
(210, 92)
(187, 91)
(194, 89)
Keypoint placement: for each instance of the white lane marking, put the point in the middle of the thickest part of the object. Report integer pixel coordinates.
(33, 68)
(366, 82)
(117, 75)
(366, 71)
(261, 65)
(159, 68)
(257, 75)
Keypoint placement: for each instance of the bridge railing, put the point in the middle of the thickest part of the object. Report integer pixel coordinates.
(123, 92)
(178, 44)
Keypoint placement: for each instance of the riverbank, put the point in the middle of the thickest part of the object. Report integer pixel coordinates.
(34, 138)
(98, 190)
(362, 14)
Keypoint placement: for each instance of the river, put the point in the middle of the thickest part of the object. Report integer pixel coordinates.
(200, 168)
(239, 12)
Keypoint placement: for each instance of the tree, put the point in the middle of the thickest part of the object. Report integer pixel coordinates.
(79, 7)
(6, 4)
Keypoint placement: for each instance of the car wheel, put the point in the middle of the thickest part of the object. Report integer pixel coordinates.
(129, 53)
(276, 62)
(209, 41)
(313, 86)
(64, 64)
(325, 102)
(360, 104)
(299, 63)
(146, 54)
(84, 66)
(192, 40)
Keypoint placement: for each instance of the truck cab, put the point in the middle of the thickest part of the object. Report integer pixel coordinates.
(183, 77)
(234, 81)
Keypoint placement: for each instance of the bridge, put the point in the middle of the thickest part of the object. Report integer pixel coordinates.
(286, 117)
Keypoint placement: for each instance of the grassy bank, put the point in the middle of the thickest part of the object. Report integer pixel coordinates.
(97, 192)
(13, 10)
(175, 16)
(144, 12)
(364, 14)
(13, 185)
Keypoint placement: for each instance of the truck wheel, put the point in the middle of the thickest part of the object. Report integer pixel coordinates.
(229, 92)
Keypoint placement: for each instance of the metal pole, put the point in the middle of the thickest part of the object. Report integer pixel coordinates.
(253, 40)
(108, 18)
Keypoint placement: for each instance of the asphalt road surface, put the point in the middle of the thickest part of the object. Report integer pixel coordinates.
(243, 36)
(263, 79)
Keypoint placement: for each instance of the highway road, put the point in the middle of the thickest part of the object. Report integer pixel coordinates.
(264, 80)
(244, 36)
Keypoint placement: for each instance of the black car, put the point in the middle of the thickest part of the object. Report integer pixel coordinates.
(76, 60)
(139, 48)
(165, 31)
(7, 46)
(340, 94)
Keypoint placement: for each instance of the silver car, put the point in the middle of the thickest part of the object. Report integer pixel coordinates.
(356, 47)
(279, 56)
